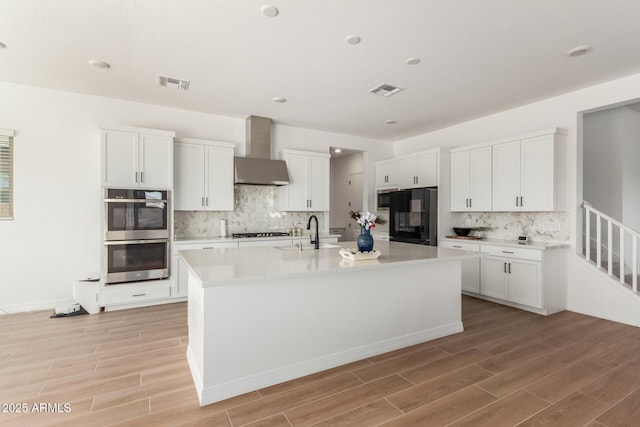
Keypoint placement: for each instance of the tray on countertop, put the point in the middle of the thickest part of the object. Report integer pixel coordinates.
(354, 255)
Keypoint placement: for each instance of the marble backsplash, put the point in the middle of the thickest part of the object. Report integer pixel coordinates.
(256, 209)
(538, 226)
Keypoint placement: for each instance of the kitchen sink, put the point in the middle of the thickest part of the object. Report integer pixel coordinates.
(307, 247)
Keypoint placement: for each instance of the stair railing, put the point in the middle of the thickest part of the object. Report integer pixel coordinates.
(625, 233)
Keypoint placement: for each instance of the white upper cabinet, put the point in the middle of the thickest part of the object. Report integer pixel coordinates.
(387, 174)
(137, 158)
(309, 179)
(526, 175)
(203, 175)
(419, 170)
(471, 179)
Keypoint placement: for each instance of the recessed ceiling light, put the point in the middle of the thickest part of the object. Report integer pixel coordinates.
(2, 45)
(413, 61)
(390, 122)
(99, 64)
(337, 150)
(269, 11)
(580, 50)
(279, 99)
(352, 39)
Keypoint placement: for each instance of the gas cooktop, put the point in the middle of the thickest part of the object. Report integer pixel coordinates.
(260, 234)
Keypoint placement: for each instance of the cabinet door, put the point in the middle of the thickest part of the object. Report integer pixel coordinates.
(407, 173)
(181, 278)
(120, 159)
(156, 161)
(506, 176)
(524, 285)
(319, 178)
(219, 182)
(427, 170)
(297, 199)
(480, 179)
(493, 277)
(381, 174)
(537, 173)
(460, 170)
(471, 275)
(189, 177)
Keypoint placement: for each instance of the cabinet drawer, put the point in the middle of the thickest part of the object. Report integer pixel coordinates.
(509, 252)
(203, 245)
(466, 246)
(127, 294)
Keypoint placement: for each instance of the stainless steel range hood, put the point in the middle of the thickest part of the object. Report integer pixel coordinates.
(258, 167)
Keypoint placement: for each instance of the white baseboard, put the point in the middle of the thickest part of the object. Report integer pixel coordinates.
(34, 306)
(240, 386)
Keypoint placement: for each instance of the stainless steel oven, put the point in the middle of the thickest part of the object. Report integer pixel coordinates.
(137, 235)
(133, 260)
(136, 214)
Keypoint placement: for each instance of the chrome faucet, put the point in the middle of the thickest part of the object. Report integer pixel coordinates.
(316, 242)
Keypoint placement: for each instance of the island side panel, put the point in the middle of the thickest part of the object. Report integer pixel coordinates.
(196, 322)
(263, 333)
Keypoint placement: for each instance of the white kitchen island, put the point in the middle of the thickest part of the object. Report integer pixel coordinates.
(260, 316)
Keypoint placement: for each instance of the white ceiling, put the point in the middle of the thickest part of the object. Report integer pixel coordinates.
(477, 56)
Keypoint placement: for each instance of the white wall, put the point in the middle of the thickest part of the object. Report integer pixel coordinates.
(561, 111)
(55, 236)
(341, 169)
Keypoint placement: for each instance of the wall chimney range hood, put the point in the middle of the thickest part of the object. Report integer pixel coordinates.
(257, 167)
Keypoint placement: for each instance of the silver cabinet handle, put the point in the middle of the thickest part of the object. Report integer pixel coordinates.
(202, 202)
(505, 267)
(507, 252)
(206, 201)
(456, 246)
(521, 201)
(138, 295)
(208, 247)
(136, 176)
(509, 268)
(517, 201)
(141, 176)
(470, 204)
(310, 203)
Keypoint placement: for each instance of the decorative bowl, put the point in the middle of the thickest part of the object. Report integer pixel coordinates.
(462, 231)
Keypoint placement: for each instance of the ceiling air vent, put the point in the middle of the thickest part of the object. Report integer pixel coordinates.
(385, 90)
(173, 83)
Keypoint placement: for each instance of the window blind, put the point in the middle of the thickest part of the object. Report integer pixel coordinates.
(6, 174)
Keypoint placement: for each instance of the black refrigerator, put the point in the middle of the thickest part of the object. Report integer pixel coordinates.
(413, 216)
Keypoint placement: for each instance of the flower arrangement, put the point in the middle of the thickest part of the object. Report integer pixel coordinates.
(366, 220)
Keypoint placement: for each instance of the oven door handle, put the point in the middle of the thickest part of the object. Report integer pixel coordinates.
(135, 242)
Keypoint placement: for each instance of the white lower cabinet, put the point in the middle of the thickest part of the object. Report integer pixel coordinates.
(531, 278)
(470, 279)
(514, 280)
(137, 294)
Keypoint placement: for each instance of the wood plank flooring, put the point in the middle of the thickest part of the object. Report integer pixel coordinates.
(508, 368)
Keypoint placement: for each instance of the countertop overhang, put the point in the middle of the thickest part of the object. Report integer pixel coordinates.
(219, 267)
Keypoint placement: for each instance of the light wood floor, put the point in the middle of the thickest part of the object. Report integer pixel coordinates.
(507, 368)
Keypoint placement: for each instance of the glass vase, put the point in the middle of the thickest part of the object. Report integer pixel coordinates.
(365, 240)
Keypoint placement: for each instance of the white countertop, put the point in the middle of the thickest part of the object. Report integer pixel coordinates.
(218, 239)
(224, 266)
(512, 243)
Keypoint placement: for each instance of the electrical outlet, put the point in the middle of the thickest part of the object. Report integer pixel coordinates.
(551, 226)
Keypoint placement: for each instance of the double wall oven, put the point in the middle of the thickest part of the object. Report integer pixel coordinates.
(137, 235)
